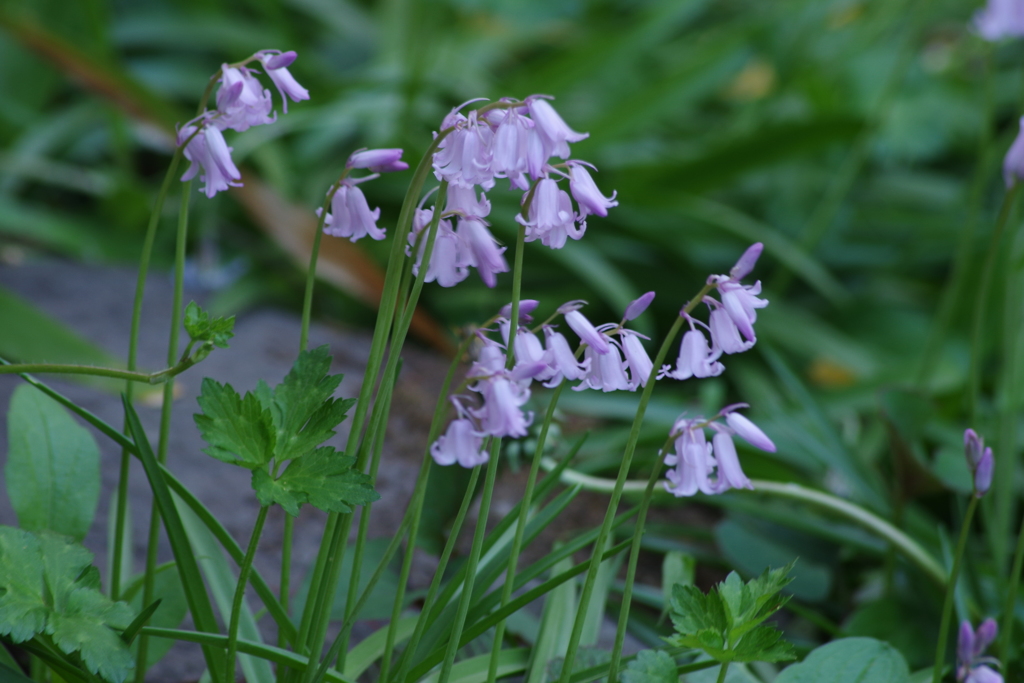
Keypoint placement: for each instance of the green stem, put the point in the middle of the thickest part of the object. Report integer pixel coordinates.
(405, 661)
(721, 672)
(634, 557)
(286, 572)
(471, 564)
(613, 503)
(236, 603)
(517, 540)
(982, 299)
(947, 607)
(331, 548)
(416, 507)
(158, 377)
(1009, 618)
(883, 529)
(149, 583)
(133, 352)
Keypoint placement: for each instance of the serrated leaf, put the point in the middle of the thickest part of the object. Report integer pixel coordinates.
(53, 466)
(763, 644)
(238, 429)
(651, 666)
(201, 328)
(48, 588)
(303, 408)
(692, 610)
(324, 479)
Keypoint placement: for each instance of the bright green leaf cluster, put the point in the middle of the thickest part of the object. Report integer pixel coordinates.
(263, 429)
(49, 590)
(205, 331)
(726, 623)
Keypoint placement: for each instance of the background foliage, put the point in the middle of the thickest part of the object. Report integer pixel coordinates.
(859, 140)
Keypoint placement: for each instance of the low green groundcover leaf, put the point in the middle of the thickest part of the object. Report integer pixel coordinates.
(53, 466)
(50, 587)
(324, 479)
(651, 666)
(849, 660)
(726, 622)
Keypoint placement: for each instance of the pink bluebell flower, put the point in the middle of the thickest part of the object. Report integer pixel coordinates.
(482, 251)
(464, 201)
(550, 217)
(696, 358)
(351, 216)
(583, 327)
(637, 306)
(276, 63)
(607, 371)
(242, 101)
(208, 151)
(637, 359)
(1000, 19)
(554, 132)
(461, 443)
(692, 461)
(741, 301)
(447, 259)
(562, 360)
(586, 193)
(513, 149)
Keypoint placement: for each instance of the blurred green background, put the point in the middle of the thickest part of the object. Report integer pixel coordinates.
(861, 141)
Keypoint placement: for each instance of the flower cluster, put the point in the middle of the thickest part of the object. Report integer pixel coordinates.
(980, 462)
(517, 141)
(731, 323)
(242, 102)
(1000, 19)
(972, 667)
(711, 467)
(350, 214)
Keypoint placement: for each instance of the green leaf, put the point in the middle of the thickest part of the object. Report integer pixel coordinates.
(168, 591)
(53, 466)
(238, 429)
(849, 660)
(763, 644)
(201, 328)
(303, 410)
(48, 588)
(651, 666)
(324, 479)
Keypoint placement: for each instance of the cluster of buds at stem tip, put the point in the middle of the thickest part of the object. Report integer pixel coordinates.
(350, 214)
(242, 102)
(979, 461)
(1000, 19)
(971, 666)
(521, 141)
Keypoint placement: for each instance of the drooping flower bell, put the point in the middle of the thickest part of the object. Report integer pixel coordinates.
(207, 151)
(550, 217)
(586, 193)
(276, 64)
(351, 216)
(242, 101)
(739, 301)
(980, 461)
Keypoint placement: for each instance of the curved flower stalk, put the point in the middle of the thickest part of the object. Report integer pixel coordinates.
(516, 140)
(242, 102)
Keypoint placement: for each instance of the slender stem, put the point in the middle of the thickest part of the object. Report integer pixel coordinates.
(634, 557)
(613, 503)
(331, 548)
(149, 583)
(133, 351)
(947, 607)
(405, 661)
(236, 603)
(908, 546)
(517, 540)
(416, 508)
(471, 564)
(721, 672)
(72, 369)
(286, 573)
(1009, 618)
